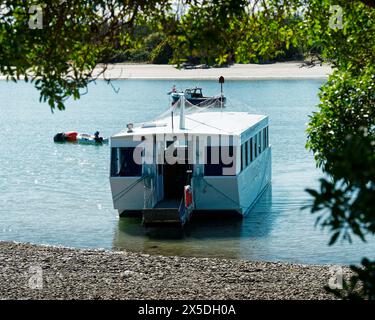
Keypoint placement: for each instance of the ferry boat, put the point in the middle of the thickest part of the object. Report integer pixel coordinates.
(187, 163)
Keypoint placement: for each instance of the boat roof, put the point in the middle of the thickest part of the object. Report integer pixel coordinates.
(195, 88)
(199, 123)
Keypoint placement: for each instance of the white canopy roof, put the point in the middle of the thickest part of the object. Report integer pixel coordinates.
(211, 123)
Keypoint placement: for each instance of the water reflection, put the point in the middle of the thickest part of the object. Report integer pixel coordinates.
(208, 235)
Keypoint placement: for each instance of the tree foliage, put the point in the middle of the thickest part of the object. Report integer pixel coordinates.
(342, 134)
(225, 31)
(59, 55)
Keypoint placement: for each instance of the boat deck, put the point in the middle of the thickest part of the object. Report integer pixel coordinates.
(168, 204)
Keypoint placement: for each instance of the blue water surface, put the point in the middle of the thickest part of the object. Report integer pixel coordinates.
(59, 194)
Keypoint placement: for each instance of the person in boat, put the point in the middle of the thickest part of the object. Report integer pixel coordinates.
(97, 138)
(173, 90)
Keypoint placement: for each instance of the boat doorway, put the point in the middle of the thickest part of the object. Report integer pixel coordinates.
(176, 176)
(172, 208)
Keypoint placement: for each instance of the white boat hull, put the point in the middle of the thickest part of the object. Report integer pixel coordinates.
(220, 181)
(235, 193)
(227, 193)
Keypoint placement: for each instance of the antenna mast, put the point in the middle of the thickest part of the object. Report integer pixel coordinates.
(221, 81)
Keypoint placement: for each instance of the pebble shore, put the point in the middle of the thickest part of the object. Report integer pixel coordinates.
(45, 272)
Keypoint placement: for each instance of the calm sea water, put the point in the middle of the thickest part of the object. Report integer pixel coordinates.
(59, 194)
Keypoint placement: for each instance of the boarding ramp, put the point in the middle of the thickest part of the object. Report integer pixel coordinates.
(167, 212)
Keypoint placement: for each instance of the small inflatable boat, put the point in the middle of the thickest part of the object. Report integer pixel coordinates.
(83, 138)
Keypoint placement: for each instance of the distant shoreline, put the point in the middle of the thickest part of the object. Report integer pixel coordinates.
(68, 273)
(275, 71)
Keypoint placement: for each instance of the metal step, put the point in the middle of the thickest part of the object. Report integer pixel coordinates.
(161, 216)
(166, 212)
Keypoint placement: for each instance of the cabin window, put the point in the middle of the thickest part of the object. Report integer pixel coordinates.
(168, 143)
(243, 156)
(260, 142)
(265, 144)
(255, 146)
(247, 152)
(126, 162)
(114, 161)
(217, 162)
(251, 150)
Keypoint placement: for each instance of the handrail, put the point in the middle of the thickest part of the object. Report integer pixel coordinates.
(149, 197)
(181, 206)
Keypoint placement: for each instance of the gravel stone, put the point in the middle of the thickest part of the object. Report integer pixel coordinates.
(46, 272)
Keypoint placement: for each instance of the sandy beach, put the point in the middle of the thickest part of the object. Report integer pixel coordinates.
(284, 70)
(45, 272)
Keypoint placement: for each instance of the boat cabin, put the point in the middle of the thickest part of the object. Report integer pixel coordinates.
(194, 93)
(222, 160)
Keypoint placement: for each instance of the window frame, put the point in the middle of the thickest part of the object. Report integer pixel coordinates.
(121, 166)
(212, 170)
